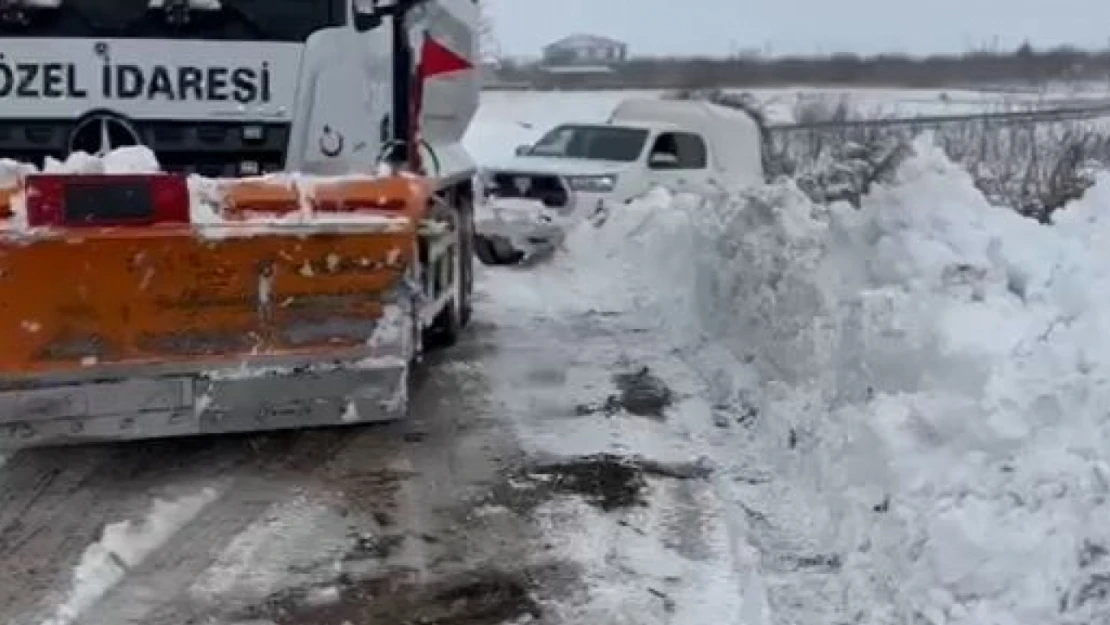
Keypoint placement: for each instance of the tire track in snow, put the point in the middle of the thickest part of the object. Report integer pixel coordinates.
(155, 589)
(56, 502)
(157, 580)
(158, 585)
(123, 548)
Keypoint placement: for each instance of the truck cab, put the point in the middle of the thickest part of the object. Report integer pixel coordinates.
(228, 87)
(578, 169)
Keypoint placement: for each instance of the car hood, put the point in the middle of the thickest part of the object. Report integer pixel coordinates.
(558, 166)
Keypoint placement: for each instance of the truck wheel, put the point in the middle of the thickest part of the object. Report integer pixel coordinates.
(446, 327)
(496, 251)
(448, 324)
(466, 264)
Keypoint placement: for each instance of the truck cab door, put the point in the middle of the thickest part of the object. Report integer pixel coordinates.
(679, 161)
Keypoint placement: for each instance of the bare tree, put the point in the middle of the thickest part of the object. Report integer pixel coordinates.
(1033, 167)
(488, 43)
(1023, 68)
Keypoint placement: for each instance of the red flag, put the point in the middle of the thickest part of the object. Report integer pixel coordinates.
(435, 59)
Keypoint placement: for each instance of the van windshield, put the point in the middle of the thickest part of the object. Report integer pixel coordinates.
(602, 143)
(226, 20)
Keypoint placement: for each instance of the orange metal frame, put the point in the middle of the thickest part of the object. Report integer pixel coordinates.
(161, 294)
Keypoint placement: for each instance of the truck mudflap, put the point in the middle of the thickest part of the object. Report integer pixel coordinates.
(282, 306)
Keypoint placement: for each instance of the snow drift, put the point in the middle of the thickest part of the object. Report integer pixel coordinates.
(931, 374)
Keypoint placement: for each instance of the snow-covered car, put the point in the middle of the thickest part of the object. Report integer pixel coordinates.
(576, 171)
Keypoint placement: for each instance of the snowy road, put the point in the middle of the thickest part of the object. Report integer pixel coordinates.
(246, 517)
(543, 474)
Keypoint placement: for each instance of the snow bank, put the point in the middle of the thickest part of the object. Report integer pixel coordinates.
(934, 375)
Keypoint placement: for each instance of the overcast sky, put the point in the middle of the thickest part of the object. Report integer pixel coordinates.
(802, 26)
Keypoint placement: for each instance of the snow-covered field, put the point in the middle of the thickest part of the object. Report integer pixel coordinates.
(906, 405)
(509, 118)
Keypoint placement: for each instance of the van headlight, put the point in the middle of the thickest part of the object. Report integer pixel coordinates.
(592, 184)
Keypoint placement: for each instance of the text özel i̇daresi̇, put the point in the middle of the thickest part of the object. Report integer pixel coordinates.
(243, 84)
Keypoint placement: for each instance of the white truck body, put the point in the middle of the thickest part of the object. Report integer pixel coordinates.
(578, 170)
(257, 90)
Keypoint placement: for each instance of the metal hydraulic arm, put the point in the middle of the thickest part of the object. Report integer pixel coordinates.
(369, 17)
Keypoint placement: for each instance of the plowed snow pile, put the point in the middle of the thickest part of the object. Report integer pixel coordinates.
(931, 379)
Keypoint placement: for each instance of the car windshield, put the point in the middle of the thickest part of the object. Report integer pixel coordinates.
(232, 20)
(602, 143)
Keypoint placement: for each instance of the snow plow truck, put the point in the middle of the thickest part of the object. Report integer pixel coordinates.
(304, 236)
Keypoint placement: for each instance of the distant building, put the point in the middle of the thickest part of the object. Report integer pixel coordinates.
(585, 50)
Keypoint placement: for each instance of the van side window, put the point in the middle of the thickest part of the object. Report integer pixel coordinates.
(678, 150)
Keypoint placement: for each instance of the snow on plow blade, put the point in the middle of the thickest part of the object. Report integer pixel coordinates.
(125, 315)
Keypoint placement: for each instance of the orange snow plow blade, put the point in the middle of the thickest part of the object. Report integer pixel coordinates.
(289, 307)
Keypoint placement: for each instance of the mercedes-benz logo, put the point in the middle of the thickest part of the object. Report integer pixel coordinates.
(523, 184)
(100, 133)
